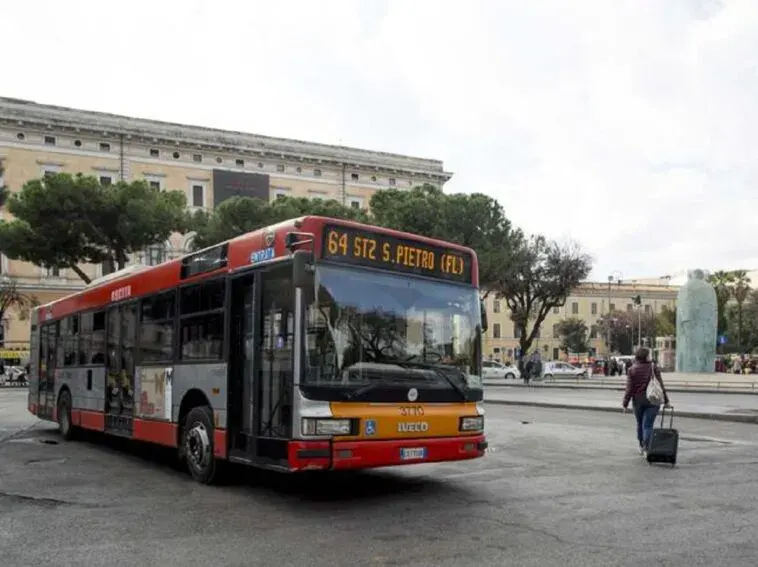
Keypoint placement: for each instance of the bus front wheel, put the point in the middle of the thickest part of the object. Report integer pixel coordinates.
(197, 445)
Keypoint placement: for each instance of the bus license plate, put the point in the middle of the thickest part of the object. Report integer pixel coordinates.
(415, 453)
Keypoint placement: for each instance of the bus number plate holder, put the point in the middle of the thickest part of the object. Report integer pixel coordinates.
(413, 454)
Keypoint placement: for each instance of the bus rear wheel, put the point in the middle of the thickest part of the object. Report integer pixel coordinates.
(65, 425)
(197, 445)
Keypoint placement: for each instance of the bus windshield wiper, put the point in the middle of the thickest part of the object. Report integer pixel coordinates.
(437, 369)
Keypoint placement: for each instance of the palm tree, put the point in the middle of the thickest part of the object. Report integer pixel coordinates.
(740, 289)
(722, 281)
(11, 297)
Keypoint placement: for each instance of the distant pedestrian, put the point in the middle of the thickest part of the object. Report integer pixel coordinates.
(640, 374)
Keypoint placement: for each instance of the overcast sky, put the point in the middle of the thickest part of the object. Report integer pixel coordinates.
(629, 126)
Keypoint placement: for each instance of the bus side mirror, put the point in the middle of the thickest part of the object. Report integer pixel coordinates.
(483, 311)
(302, 268)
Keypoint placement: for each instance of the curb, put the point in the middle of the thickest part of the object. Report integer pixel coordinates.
(736, 418)
(731, 392)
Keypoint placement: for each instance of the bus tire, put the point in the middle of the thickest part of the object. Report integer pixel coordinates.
(197, 449)
(65, 425)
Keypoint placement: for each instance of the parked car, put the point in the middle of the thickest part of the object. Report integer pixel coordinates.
(493, 369)
(563, 370)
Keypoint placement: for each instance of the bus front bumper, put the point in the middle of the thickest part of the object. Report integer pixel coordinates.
(345, 455)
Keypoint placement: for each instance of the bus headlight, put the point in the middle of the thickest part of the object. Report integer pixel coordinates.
(325, 426)
(472, 423)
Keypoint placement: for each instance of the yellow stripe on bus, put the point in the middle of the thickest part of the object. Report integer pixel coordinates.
(406, 420)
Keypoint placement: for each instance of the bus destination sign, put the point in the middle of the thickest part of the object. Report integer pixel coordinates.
(365, 248)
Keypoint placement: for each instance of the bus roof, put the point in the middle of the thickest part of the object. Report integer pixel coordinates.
(137, 281)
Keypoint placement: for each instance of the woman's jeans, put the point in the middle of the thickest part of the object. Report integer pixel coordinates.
(645, 413)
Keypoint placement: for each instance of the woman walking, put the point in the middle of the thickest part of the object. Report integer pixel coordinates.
(642, 371)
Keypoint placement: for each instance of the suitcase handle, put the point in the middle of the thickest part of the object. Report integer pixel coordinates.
(671, 416)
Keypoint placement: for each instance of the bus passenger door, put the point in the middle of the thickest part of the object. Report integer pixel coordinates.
(242, 398)
(118, 386)
(46, 373)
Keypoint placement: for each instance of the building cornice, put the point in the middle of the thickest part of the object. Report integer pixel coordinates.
(25, 114)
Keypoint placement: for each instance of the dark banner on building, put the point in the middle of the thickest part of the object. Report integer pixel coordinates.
(228, 184)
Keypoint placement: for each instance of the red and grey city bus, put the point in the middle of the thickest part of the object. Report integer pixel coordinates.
(313, 344)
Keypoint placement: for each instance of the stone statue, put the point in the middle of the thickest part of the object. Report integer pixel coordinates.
(696, 323)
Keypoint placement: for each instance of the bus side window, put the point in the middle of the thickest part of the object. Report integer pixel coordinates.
(97, 354)
(201, 325)
(85, 338)
(156, 328)
(70, 340)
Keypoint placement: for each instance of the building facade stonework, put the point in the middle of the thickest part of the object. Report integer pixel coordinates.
(589, 302)
(208, 165)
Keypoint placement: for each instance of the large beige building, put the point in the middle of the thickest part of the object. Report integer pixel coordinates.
(208, 165)
(589, 302)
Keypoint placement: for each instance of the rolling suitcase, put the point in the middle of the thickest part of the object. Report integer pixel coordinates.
(664, 442)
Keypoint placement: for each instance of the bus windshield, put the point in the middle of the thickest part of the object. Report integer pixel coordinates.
(370, 329)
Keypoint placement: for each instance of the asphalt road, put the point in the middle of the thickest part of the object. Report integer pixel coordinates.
(13, 414)
(559, 487)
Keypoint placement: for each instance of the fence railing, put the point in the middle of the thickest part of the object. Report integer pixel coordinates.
(601, 383)
(15, 385)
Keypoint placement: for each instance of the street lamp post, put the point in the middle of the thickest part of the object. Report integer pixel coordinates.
(618, 276)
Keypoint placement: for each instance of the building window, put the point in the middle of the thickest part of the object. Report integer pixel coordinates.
(49, 140)
(392, 181)
(105, 147)
(647, 309)
(496, 306)
(629, 307)
(280, 167)
(154, 255)
(176, 155)
(574, 308)
(594, 308)
(516, 332)
(298, 169)
(593, 332)
(281, 192)
(556, 310)
(21, 136)
(354, 176)
(240, 163)
(556, 353)
(612, 307)
(219, 160)
(316, 173)
(50, 169)
(373, 178)
(197, 157)
(78, 143)
(106, 180)
(154, 182)
(496, 331)
(198, 196)
(53, 272)
(356, 202)
(155, 152)
(260, 165)
(556, 335)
